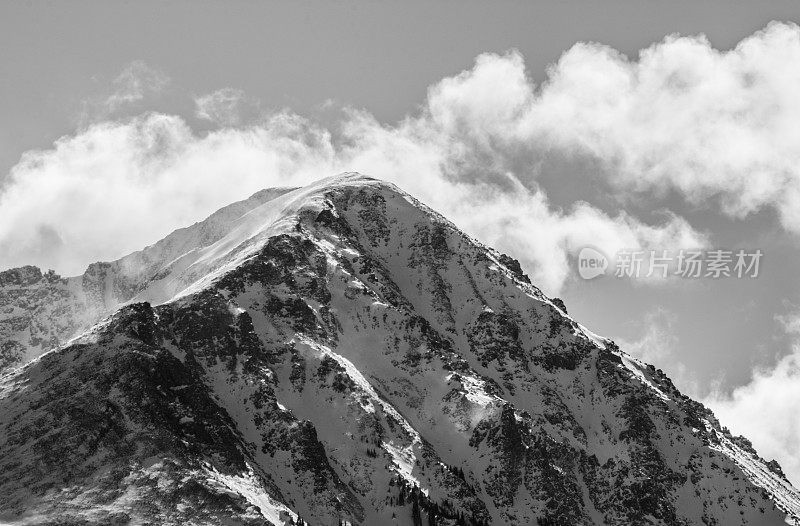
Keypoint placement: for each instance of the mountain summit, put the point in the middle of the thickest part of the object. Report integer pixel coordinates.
(340, 353)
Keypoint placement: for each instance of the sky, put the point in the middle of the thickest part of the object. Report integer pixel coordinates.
(539, 128)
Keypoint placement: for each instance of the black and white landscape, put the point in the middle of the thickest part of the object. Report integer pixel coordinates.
(411, 264)
(341, 352)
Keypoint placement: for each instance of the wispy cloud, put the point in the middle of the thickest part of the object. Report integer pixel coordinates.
(658, 340)
(658, 344)
(223, 107)
(134, 83)
(127, 94)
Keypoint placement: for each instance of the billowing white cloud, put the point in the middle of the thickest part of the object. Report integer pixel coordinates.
(117, 186)
(222, 107)
(717, 127)
(684, 116)
(765, 410)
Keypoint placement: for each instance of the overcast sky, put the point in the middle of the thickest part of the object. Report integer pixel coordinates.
(538, 127)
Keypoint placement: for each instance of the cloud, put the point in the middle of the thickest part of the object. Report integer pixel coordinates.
(523, 223)
(715, 126)
(657, 346)
(118, 186)
(765, 410)
(657, 341)
(126, 95)
(134, 83)
(223, 107)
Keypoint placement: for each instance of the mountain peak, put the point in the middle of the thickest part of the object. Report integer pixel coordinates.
(340, 352)
(183, 262)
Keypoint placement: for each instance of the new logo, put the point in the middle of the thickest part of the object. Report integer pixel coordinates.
(591, 263)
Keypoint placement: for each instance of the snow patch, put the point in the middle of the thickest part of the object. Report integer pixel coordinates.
(474, 389)
(635, 366)
(596, 339)
(404, 460)
(248, 486)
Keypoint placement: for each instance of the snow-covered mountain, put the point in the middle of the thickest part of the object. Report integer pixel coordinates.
(40, 311)
(342, 353)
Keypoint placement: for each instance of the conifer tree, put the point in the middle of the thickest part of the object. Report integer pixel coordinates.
(416, 516)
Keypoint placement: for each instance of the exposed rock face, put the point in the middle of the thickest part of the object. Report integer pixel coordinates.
(342, 353)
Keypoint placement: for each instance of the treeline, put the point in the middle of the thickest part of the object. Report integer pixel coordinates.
(436, 513)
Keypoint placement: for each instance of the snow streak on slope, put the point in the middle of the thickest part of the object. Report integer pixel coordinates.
(637, 368)
(779, 490)
(404, 458)
(247, 485)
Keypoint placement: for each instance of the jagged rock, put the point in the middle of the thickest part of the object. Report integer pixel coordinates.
(558, 302)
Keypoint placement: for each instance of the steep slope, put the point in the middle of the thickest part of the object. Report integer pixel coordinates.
(40, 311)
(341, 352)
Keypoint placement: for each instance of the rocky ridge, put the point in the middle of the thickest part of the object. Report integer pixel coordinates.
(342, 353)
